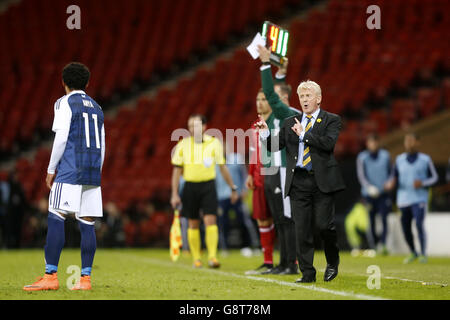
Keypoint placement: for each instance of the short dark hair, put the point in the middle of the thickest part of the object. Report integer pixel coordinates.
(373, 136)
(198, 115)
(285, 88)
(76, 76)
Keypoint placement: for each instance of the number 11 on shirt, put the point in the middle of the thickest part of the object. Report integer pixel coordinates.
(86, 129)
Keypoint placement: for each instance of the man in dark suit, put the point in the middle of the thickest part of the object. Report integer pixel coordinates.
(312, 176)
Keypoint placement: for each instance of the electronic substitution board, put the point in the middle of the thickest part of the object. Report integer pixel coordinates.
(277, 41)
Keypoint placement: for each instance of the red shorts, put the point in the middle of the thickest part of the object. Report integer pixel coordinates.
(261, 209)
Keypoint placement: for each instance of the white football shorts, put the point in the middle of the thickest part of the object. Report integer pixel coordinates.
(83, 200)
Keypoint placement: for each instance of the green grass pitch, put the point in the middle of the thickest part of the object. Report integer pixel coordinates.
(150, 274)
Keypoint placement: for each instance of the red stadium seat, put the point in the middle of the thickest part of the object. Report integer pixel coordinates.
(352, 64)
(403, 112)
(446, 92)
(429, 100)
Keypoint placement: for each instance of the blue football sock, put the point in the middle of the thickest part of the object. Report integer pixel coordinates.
(88, 247)
(54, 243)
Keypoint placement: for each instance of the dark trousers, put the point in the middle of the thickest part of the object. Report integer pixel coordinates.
(244, 221)
(286, 237)
(310, 208)
(381, 205)
(284, 226)
(416, 212)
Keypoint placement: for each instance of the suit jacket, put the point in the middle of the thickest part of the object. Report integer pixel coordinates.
(321, 140)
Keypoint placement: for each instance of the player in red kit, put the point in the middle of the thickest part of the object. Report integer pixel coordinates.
(255, 181)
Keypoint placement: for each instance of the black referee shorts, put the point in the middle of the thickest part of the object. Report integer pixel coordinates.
(198, 196)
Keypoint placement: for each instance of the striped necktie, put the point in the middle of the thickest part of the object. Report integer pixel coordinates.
(306, 155)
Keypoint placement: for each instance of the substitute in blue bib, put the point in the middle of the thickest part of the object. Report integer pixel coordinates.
(414, 173)
(374, 169)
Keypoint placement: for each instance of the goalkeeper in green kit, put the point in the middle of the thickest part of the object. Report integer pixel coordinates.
(277, 96)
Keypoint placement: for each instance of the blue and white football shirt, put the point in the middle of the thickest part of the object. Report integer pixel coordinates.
(82, 118)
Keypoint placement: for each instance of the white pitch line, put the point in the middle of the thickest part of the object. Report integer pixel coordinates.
(282, 283)
(419, 281)
(423, 282)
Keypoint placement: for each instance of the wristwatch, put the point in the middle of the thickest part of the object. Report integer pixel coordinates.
(234, 187)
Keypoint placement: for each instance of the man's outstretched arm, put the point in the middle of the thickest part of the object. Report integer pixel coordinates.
(279, 108)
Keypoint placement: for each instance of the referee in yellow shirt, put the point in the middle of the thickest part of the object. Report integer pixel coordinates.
(195, 158)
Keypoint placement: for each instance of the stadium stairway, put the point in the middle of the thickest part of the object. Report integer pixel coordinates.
(434, 132)
(399, 112)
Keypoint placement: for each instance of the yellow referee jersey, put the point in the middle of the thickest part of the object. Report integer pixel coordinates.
(198, 159)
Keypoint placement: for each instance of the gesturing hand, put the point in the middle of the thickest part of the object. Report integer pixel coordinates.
(261, 124)
(297, 127)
